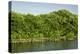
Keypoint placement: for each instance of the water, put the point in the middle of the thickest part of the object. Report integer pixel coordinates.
(44, 46)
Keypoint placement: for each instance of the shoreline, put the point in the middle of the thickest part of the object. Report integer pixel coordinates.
(41, 40)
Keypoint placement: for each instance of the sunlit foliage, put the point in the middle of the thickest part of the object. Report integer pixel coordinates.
(56, 25)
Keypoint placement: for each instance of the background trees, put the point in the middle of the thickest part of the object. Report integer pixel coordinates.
(55, 25)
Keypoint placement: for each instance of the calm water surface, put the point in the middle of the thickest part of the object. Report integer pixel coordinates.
(44, 46)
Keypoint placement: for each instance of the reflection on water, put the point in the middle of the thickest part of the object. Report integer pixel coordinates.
(41, 46)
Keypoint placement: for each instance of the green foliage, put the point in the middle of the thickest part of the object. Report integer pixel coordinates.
(70, 36)
(53, 25)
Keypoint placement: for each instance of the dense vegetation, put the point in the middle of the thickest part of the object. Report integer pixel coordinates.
(54, 26)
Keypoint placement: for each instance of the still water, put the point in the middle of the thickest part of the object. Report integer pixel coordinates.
(44, 46)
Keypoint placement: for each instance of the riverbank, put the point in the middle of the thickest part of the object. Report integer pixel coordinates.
(42, 39)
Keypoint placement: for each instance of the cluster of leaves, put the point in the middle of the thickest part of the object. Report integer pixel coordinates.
(55, 25)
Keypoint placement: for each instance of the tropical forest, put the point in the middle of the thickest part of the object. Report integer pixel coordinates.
(60, 25)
